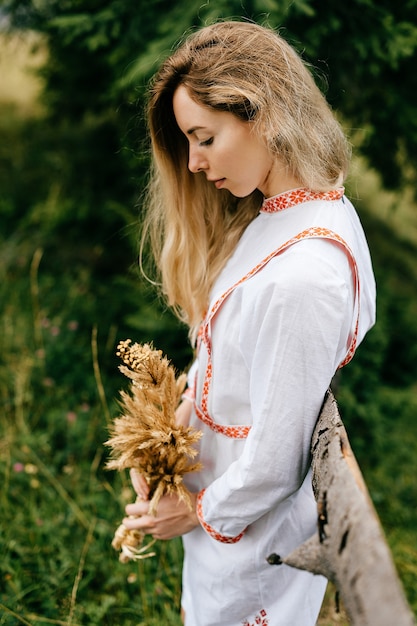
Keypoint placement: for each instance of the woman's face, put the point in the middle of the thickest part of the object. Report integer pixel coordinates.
(225, 148)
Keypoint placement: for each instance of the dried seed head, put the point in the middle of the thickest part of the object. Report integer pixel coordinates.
(146, 436)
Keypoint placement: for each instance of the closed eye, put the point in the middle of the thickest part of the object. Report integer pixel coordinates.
(207, 142)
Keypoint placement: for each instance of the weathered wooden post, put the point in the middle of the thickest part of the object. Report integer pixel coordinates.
(349, 547)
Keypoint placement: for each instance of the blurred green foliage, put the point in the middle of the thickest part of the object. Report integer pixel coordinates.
(70, 288)
(102, 54)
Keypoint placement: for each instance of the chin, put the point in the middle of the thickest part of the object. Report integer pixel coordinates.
(242, 194)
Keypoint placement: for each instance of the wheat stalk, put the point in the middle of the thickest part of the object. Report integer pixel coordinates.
(146, 437)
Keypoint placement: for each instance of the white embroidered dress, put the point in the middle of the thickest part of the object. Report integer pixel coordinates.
(288, 309)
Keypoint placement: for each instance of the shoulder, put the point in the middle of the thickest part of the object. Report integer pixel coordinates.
(308, 266)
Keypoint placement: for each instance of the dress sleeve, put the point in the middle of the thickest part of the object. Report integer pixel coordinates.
(296, 316)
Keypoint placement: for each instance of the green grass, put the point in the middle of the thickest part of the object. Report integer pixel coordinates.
(59, 506)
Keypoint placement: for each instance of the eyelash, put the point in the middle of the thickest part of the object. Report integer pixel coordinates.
(208, 142)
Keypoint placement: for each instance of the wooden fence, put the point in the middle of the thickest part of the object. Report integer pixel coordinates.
(349, 547)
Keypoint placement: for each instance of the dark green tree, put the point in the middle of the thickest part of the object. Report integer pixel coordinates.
(102, 53)
(93, 138)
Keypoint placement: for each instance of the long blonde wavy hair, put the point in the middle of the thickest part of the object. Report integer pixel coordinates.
(253, 73)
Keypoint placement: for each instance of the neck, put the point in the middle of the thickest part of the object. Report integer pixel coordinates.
(278, 180)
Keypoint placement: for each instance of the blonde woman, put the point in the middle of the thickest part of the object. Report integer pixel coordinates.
(262, 255)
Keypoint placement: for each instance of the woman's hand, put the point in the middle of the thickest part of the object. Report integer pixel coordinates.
(173, 517)
(183, 413)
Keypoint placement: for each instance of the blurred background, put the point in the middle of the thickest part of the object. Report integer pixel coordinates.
(73, 167)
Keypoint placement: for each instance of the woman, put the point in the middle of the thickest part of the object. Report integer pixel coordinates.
(264, 258)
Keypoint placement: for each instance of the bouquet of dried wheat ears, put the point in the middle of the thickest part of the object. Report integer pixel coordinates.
(146, 437)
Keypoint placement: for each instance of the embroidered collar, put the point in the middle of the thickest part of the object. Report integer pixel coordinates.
(293, 197)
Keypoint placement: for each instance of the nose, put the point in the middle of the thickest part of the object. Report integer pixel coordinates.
(196, 161)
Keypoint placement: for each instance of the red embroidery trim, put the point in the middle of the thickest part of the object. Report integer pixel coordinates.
(209, 529)
(261, 619)
(242, 431)
(297, 196)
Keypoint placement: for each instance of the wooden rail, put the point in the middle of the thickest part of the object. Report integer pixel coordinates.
(349, 547)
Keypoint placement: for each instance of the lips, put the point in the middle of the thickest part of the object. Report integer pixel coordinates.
(217, 182)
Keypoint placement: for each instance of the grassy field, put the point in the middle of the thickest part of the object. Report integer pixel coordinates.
(58, 388)
(59, 506)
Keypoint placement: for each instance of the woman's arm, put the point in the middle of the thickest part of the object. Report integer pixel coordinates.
(294, 325)
(183, 412)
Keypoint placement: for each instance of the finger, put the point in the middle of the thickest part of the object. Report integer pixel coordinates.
(139, 484)
(145, 523)
(138, 508)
